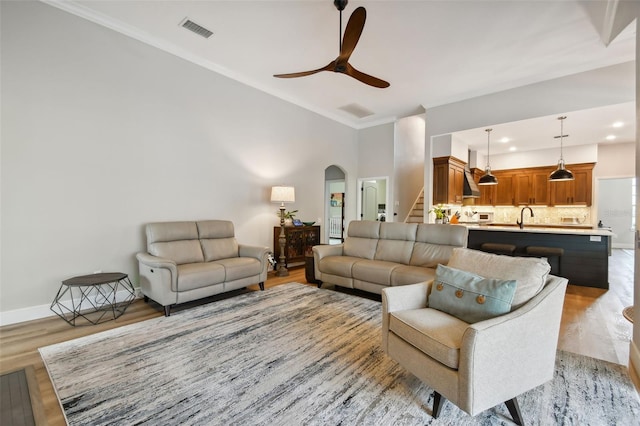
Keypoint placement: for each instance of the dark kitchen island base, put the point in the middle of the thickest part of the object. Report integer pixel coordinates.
(586, 256)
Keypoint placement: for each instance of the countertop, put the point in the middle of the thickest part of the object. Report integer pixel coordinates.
(568, 230)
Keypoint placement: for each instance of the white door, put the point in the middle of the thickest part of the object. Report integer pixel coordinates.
(369, 201)
(616, 209)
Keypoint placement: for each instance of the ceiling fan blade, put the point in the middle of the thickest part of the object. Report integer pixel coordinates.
(352, 32)
(305, 73)
(365, 78)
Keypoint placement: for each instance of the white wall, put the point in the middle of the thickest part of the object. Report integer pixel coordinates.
(408, 163)
(616, 160)
(375, 157)
(545, 157)
(102, 134)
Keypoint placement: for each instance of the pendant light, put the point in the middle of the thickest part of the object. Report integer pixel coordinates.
(488, 178)
(561, 174)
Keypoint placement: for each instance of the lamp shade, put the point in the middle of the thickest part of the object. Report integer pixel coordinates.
(488, 179)
(283, 194)
(561, 173)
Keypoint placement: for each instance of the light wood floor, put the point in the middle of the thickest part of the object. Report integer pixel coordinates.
(592, 325)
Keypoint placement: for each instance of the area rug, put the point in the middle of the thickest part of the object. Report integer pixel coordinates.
(292, 354)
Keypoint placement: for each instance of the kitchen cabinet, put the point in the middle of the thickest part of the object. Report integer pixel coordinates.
(577, 191)
(299, 243)
(487, 192)
(532, 186)
(448, 180)
(505, 189)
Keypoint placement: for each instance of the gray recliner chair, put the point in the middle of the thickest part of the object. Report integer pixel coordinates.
(480, 365)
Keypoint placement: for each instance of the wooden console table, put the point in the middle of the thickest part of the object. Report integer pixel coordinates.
(300, 240)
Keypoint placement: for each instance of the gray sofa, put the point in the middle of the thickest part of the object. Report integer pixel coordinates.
(376, 255)
(187, 261)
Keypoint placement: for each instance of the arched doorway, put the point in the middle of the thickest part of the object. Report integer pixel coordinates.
(334, 202)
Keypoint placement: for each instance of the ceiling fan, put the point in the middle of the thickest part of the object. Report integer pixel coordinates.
(341, 63)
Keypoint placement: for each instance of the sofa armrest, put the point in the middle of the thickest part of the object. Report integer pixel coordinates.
(158, 262)
(260, 253)
(158, 278)
(256, 252)
(402, 298)
(322, 251)
(505, 356)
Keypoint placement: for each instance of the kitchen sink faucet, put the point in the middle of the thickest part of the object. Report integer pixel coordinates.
(521, 221)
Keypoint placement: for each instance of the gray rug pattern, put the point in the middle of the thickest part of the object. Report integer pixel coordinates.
(293, 354)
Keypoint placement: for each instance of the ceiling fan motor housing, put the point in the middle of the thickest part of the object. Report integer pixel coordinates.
(340, 4)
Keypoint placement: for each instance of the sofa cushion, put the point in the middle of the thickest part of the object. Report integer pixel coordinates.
(240, 267)
(430, 255)
(196, 275)
(215, 229)
(364, 229)
(219, 248)
(394, 251)
(374, 271)
(446, 235)
(529, 272)
(170, 231)
(362, 239)
(181, 251)
(403, 275)
(435, 333)
(364, 248)
(396, 242)
(398, 231)
(470, 297)
(338, 265)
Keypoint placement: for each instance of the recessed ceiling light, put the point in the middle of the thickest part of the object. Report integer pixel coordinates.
(610, 137)
(504, 140)
(513, 148)
(618, 124)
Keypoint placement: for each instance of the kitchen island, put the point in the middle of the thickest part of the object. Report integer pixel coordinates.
(585, 261)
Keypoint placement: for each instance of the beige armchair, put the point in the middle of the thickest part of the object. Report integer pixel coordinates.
(478, 366)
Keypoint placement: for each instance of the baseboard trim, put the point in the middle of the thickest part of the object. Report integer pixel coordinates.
(634, 364)
(622, 246)
(32, 313)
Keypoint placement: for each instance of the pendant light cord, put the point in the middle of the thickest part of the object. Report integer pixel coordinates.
(488, 148)
(562, 135)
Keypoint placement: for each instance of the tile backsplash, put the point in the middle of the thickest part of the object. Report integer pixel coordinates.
(542, 215)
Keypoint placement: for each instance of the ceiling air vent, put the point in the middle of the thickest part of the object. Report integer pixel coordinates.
(357, 110)
(195, 28)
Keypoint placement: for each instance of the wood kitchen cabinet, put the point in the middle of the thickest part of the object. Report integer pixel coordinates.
(505, 189)
(300, 241)
(532, 186)
(487, 192)
(448, 180)
(577, 191)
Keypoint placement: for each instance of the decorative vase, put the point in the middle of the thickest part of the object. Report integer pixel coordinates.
(438, 220)
(288, 222)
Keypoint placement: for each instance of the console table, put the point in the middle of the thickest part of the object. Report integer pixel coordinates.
(299, 241)
(93, 296)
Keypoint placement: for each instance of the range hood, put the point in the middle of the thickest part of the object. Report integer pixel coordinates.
(470, 188)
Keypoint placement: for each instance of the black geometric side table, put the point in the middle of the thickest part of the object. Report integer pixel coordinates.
(93, 297)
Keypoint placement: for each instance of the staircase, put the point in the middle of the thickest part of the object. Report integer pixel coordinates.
(416, 215)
